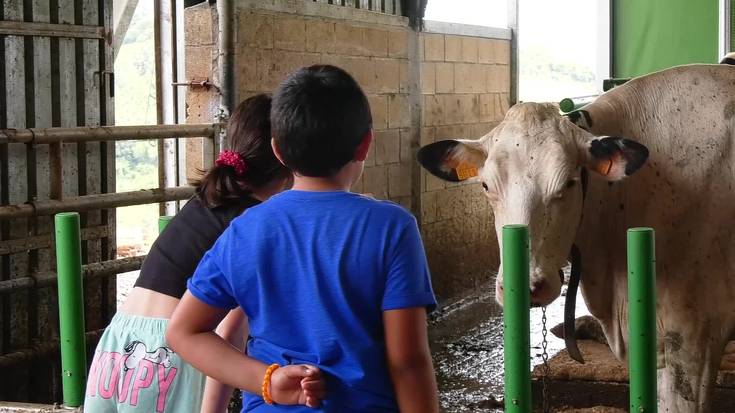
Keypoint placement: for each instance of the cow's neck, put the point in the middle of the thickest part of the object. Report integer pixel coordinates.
(601, 246)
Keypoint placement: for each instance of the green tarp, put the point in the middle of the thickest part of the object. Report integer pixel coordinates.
(651, 35)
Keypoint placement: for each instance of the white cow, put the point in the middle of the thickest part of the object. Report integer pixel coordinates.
(674, 131)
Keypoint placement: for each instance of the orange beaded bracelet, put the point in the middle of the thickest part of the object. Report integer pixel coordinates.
(267, 383)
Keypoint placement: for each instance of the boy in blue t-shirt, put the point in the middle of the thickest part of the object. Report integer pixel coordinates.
(326, 277)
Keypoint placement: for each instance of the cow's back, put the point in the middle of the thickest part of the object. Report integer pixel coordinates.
(686, 192)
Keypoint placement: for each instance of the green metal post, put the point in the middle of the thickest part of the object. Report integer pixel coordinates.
(163, 222)
(642, 319)
(71, 308)
(516, 319)
(567, 105)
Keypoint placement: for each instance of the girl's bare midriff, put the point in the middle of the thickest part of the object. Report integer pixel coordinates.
(148, 303)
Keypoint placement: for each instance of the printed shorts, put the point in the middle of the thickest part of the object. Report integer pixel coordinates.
(134, 371)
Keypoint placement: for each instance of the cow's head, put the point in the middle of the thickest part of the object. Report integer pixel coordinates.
(530, 167)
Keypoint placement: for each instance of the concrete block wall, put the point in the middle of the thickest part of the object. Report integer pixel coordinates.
(465, 89)
(436, 85)
(272, 44)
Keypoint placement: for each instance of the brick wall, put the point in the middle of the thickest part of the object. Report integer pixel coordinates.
(465, 85)
(444, 86)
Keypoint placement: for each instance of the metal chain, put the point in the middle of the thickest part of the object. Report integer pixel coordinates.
(546, 370)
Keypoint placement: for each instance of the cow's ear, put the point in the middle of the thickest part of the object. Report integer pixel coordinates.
(453, 160)
(615, 158)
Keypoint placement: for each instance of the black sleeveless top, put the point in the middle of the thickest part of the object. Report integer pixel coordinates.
(178, 249)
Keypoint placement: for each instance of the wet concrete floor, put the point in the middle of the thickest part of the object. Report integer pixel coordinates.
(467, 346)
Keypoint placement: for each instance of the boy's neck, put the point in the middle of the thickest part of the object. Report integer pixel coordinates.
(314, 184)
(341, 181)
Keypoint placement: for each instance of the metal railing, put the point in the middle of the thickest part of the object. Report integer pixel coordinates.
(58, 136)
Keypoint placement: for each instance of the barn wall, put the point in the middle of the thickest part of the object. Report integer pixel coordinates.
(49, 80)
(465, 86)
(458, 84)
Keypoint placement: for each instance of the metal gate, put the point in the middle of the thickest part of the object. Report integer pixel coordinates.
(57, 71)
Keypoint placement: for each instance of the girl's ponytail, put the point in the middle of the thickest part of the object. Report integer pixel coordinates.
(250, 162)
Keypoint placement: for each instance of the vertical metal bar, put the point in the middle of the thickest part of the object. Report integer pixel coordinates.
(158, 66)
(723, 41)
(210, 148)
(730, 26)
(107, 150)
(516, 319)
(71, 307)
(107, 154)
(642, 319)
(166, 94)
(225, 42)
(513, 26)
(180, 99)
(613, 23)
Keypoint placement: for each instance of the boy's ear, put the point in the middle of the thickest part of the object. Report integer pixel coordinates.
(362, 150)
(276, 151)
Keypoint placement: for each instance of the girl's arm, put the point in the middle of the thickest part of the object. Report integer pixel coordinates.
(409, 360)
(234, 329)
(190, 334)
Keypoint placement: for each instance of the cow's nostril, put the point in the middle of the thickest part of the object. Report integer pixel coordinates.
(537, 286)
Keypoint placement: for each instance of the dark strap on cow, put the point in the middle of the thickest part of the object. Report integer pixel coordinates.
(570, 301)
(570, 304)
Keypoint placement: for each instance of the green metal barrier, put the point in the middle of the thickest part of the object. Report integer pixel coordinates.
(567, 105)
(642, 319)
(516, 319)
(163, 222)
(71, 308)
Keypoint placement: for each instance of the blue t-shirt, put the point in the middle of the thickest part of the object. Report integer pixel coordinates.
(314, 272)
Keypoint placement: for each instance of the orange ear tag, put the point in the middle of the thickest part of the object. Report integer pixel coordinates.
(465, 171)
(603, 166)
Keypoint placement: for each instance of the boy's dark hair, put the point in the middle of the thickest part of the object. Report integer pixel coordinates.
(248, 134)
(319, 118)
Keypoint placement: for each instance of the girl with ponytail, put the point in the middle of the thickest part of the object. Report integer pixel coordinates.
(133, 368)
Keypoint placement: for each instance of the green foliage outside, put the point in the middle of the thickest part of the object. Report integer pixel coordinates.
(545, 78)
(135, 104)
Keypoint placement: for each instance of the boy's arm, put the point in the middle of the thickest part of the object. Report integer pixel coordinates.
(409, 360)
(190, 334)
(234, 329)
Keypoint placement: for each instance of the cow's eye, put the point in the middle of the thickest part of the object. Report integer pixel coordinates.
(484, 186)
(571, 183)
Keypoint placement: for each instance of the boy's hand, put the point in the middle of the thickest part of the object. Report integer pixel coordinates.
(297, 384)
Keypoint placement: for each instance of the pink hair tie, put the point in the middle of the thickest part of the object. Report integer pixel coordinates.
(233, 159)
